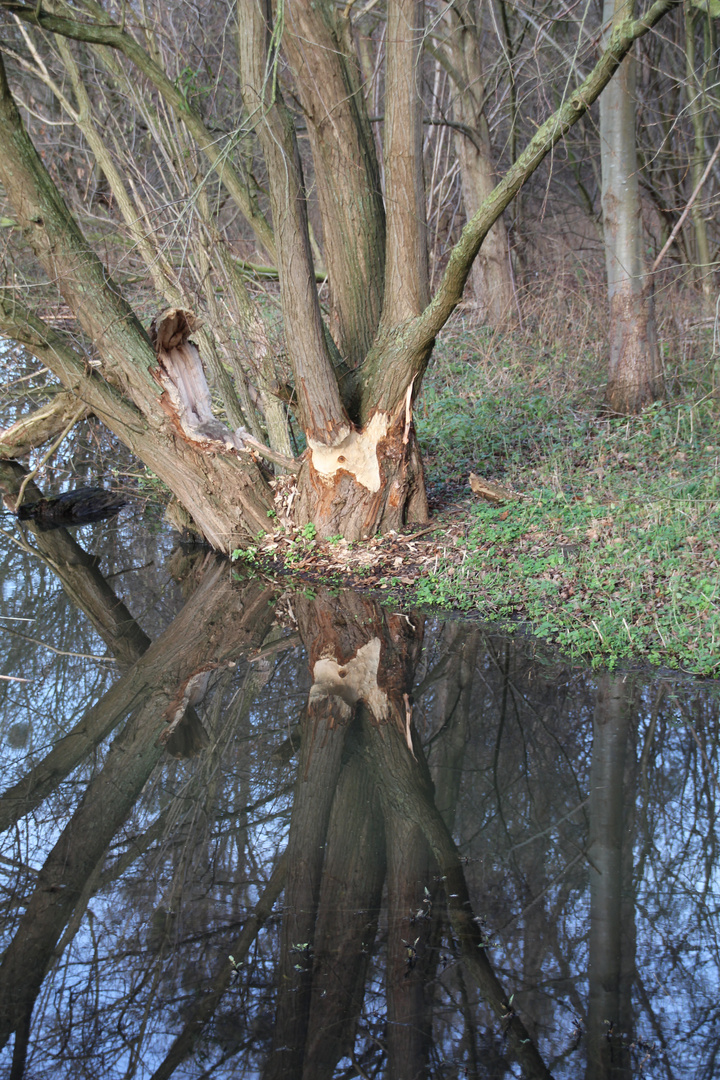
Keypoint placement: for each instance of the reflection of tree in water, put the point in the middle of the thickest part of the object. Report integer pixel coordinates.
(378, 961)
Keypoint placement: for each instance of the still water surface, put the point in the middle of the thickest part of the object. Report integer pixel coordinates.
(431, 850)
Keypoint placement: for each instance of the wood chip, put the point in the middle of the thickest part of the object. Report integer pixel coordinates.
(486, 489)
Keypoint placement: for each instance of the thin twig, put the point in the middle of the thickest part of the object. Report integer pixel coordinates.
(679, 223)
(61, 652)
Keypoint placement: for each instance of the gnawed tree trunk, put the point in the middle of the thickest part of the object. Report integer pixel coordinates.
(360, 659)
(354, 393)
(634, 377)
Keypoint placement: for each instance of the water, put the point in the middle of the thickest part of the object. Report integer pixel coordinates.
(431, 850)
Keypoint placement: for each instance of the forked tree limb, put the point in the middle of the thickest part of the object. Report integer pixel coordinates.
(59, 353)
(75, 418)
(55, 237)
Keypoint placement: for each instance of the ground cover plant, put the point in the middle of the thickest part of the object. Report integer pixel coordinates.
(612, 547)
(609, 546)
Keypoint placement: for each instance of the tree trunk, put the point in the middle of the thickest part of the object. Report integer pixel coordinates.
(361, 471)
(347, 176)
(695, 91)
(635, 377)
(491, 277)
(371, 483)
(610, 971)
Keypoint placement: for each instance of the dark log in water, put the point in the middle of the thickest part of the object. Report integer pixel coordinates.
(79, 507)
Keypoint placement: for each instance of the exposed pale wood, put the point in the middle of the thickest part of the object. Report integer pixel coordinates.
(381, 489)
(486, 489)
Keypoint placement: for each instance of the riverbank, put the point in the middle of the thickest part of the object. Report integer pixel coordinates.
(609, 546)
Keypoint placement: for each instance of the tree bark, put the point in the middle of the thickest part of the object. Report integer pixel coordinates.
(347, 176)
(634, 377)
(321, 411)
(40, 426)
(695, 93)
(407, 282)
(491, 277)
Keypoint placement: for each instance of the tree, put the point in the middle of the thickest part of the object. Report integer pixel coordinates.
(462, 55)
(354, 379)
(635, 378)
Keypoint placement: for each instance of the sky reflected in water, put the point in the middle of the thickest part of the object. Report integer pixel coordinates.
(431, 850)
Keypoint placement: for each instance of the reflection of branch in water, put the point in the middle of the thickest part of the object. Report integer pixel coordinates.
(217, 622)
(60, 652)
(405, 785)
(205, 1008)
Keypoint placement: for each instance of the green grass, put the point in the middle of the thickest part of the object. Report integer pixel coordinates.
(612, 550)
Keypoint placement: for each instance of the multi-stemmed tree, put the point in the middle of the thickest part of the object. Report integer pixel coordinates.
(355, 373)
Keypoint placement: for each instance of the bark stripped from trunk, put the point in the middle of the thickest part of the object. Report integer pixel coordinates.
(186, 394)
(371, 482)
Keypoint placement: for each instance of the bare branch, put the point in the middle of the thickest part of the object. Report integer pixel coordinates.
(39, 426)
(115, 37)
(453, 281)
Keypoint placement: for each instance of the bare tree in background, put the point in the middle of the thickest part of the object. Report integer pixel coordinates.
(635, 378)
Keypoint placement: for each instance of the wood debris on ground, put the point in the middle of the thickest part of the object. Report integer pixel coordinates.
(395, 559)
(489, 490)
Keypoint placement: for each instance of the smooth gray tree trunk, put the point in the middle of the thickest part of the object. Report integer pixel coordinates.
(634, 378)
